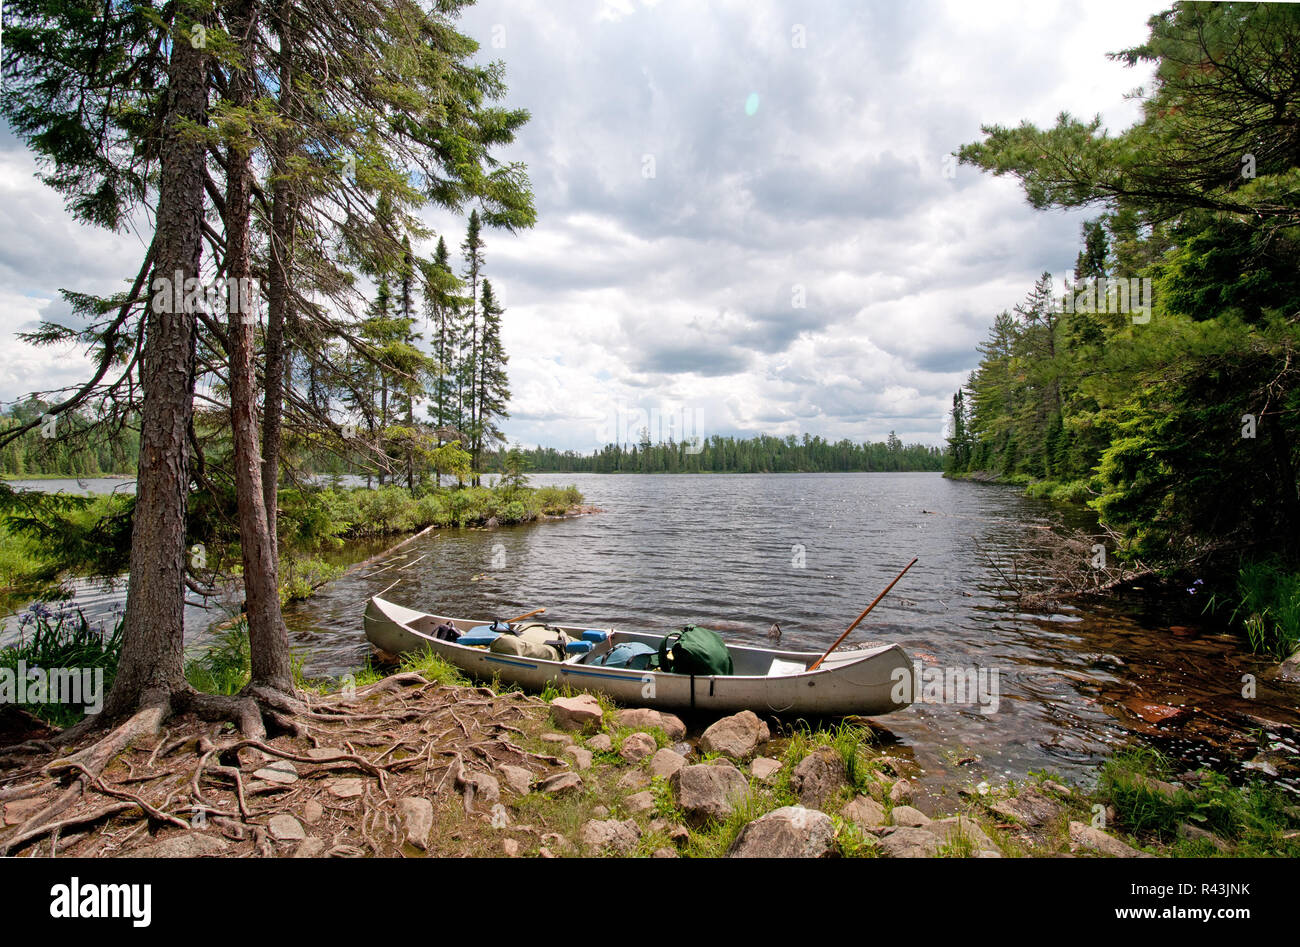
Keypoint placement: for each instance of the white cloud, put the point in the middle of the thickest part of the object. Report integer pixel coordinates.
(638, 299)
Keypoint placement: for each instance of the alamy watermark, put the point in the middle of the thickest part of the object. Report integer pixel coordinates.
(70, 686)
(953, 685)
(1129, 296)
(176, 293)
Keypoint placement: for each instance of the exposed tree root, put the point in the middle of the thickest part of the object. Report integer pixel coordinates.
(176, 770)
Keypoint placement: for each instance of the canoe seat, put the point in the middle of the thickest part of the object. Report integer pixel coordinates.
(782, 668)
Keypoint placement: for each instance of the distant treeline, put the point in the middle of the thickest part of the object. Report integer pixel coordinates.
(66, 446)
(762, 454)
(96, 453)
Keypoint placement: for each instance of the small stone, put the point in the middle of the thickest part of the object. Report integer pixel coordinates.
(560, 739)
(764, 767)
(281, 771)
(325, 753)
(679, 835)
(1053, 786)
(484, 786)
(955, 827)
(510, 848)
(581, 758)
(183, 845)
(1194, 833)
(900, 793)
(664, 853)
(601, 743)
(637, 746)
(864, 812)
(906, 815)
(257, 787)
(1152, 713)
(517, 779)
(599, 812)
(285, 828)
(643, 717)
(903, 841)
(789, 832)
(665, 762)
(310, 847)
(610, 835)
(1159, 786)
(577, 713)
(1031, 808)
(346, 788)
(560, 784)
(416, 814)
(640, 802)
(634, 779)
(557, 842)
(312, 812)
(1085, 836)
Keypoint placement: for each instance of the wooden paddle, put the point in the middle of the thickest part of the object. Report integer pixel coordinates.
(535, 611)
(840, 639)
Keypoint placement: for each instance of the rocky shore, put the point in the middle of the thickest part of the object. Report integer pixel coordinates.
(424, 764)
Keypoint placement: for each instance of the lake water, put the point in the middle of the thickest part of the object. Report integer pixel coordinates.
(740, 552)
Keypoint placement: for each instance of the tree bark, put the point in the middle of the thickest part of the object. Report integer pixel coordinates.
(151, 669)
(268, 638)
(277, 293)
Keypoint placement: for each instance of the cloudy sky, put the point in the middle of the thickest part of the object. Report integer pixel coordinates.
(745, 220)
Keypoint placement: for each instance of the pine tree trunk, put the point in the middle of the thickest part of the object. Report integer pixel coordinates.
(267, 636)
(150, 668)
(277, 291)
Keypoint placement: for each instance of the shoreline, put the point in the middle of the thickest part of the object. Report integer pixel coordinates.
(575, 775)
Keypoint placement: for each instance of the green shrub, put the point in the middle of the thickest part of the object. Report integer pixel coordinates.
(60, 637)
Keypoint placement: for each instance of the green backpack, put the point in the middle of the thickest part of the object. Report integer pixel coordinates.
(695, 650)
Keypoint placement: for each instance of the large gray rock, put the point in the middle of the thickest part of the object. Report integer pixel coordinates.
(864, 812)
(818, 777)
(417, 820)
(737, 736)
(905, 841)
(1085, 836)
(610, 835)
(708, 792)
(666, 762)
(644, 718)
(789, 832)
(577, 713)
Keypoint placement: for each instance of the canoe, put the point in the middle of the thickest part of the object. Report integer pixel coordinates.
(863, 681)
